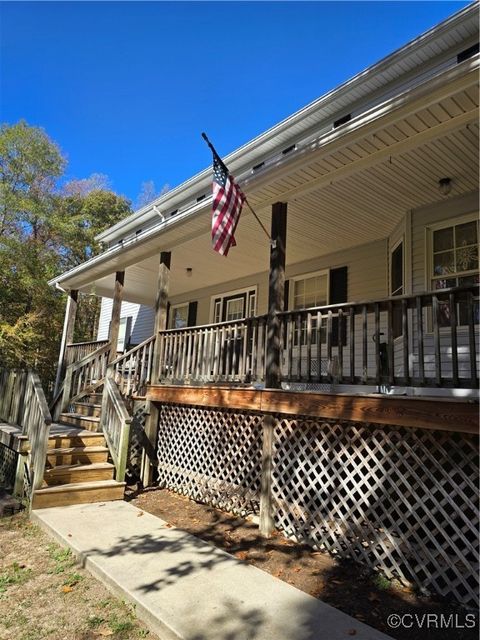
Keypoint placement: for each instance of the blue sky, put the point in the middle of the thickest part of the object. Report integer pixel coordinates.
(125, 88)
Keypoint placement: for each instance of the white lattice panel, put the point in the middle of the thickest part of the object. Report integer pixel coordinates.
(137, 442)
(8, 465)
(211, 455)
(401, 500)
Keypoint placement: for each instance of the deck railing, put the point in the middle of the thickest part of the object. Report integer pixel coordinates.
(79, 350)
(132, 370)
(115, 423)
(223, 352)
(414, 340)
(426, 340)
(23, 403)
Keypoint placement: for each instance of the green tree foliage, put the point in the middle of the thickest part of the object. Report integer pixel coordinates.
(43, 231)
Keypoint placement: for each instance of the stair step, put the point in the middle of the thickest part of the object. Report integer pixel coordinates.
(94, 398)
(76, 455)
(87, 409)
(78, 493)
(78, 420)
(72, 473)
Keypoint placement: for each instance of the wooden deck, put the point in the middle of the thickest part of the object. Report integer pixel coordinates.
(444, 414)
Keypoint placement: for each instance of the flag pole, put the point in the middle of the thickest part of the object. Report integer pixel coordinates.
(214, 151)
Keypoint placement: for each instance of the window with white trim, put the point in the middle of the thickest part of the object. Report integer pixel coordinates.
(178, 316)
(454, 252)
(309, 291)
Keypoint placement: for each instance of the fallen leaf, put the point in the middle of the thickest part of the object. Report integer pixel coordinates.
(104, 632)
(69, 535)
(352, 632)
(241, 555)
(66, 589)
(296, 569)
(140, 513)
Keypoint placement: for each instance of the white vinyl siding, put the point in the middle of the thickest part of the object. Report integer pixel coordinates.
(142, 323)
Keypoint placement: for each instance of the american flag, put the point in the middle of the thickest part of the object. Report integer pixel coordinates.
(228, 200)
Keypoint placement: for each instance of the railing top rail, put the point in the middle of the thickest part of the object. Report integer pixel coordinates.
(412, 296)
(91, 356)
(83, 344)
(40, 396)
(132, 351)
(213, 325)
(117, 399)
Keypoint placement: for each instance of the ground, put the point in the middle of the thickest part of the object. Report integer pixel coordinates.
(44, 593)
(367, 596)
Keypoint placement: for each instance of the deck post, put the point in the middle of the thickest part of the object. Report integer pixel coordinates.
(273, 375)
(67, 336)
(161, 309)
(115, 318)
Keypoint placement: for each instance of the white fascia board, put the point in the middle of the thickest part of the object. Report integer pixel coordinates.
(178, 196)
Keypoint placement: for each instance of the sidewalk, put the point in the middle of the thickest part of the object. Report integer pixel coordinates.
(185, 588)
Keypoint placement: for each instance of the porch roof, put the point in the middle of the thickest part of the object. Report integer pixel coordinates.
(348, 187)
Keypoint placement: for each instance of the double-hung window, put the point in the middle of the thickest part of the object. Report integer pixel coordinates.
(309, 291)
(178, 316)
(454, 262)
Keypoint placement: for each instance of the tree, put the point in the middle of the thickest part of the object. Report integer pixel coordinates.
(43, 231)
(148, 193)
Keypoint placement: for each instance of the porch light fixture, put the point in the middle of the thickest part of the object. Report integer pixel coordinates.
(189, 271)
(445, 186)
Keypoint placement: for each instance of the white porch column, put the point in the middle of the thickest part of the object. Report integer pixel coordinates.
(67, 336)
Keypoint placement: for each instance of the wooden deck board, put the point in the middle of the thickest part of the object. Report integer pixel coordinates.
(444, 414)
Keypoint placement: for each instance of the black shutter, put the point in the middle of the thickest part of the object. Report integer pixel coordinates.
(192, 314)
(338, 294)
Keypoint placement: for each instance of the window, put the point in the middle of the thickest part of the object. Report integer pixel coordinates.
(235, 309)
(454, 262)
(178, 317)
(396, 286)
(310, 291)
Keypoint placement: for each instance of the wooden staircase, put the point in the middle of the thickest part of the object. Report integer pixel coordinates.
(77, 467)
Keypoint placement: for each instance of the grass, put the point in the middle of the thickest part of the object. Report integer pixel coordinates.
(45, 594)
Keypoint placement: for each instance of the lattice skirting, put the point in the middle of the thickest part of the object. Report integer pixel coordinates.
(8, 466)
(137, 442)
(404, 501)
(211, 455)
(401, 500)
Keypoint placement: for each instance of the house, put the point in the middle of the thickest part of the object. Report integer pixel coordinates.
(324, 377)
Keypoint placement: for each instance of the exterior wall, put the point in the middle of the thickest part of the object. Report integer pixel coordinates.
(421, 220)
(367, 278)
(142, 320)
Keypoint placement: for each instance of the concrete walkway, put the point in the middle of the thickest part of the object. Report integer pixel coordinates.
(185, 588)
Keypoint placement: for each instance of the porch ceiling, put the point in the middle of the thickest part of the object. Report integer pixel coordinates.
(339, 196)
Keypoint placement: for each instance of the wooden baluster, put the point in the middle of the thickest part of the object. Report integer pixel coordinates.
(254, 349)
(194, 354)
(228, 332)
(352, 344)
(234, 351)
(436, 340)
(341, 320)
(471, 340)
(291, 331)
(391, 350)
(329, 344)
(420, 345)
(298, 329)
(364, 344)
(319, 346)
(245, 342)
(309, 346)
(378, 376)
(453, 337)
(405, 334)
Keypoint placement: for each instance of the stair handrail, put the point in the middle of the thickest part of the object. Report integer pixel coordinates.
(79, 377)
(115, 422)
(132, 370)
(23, 403)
